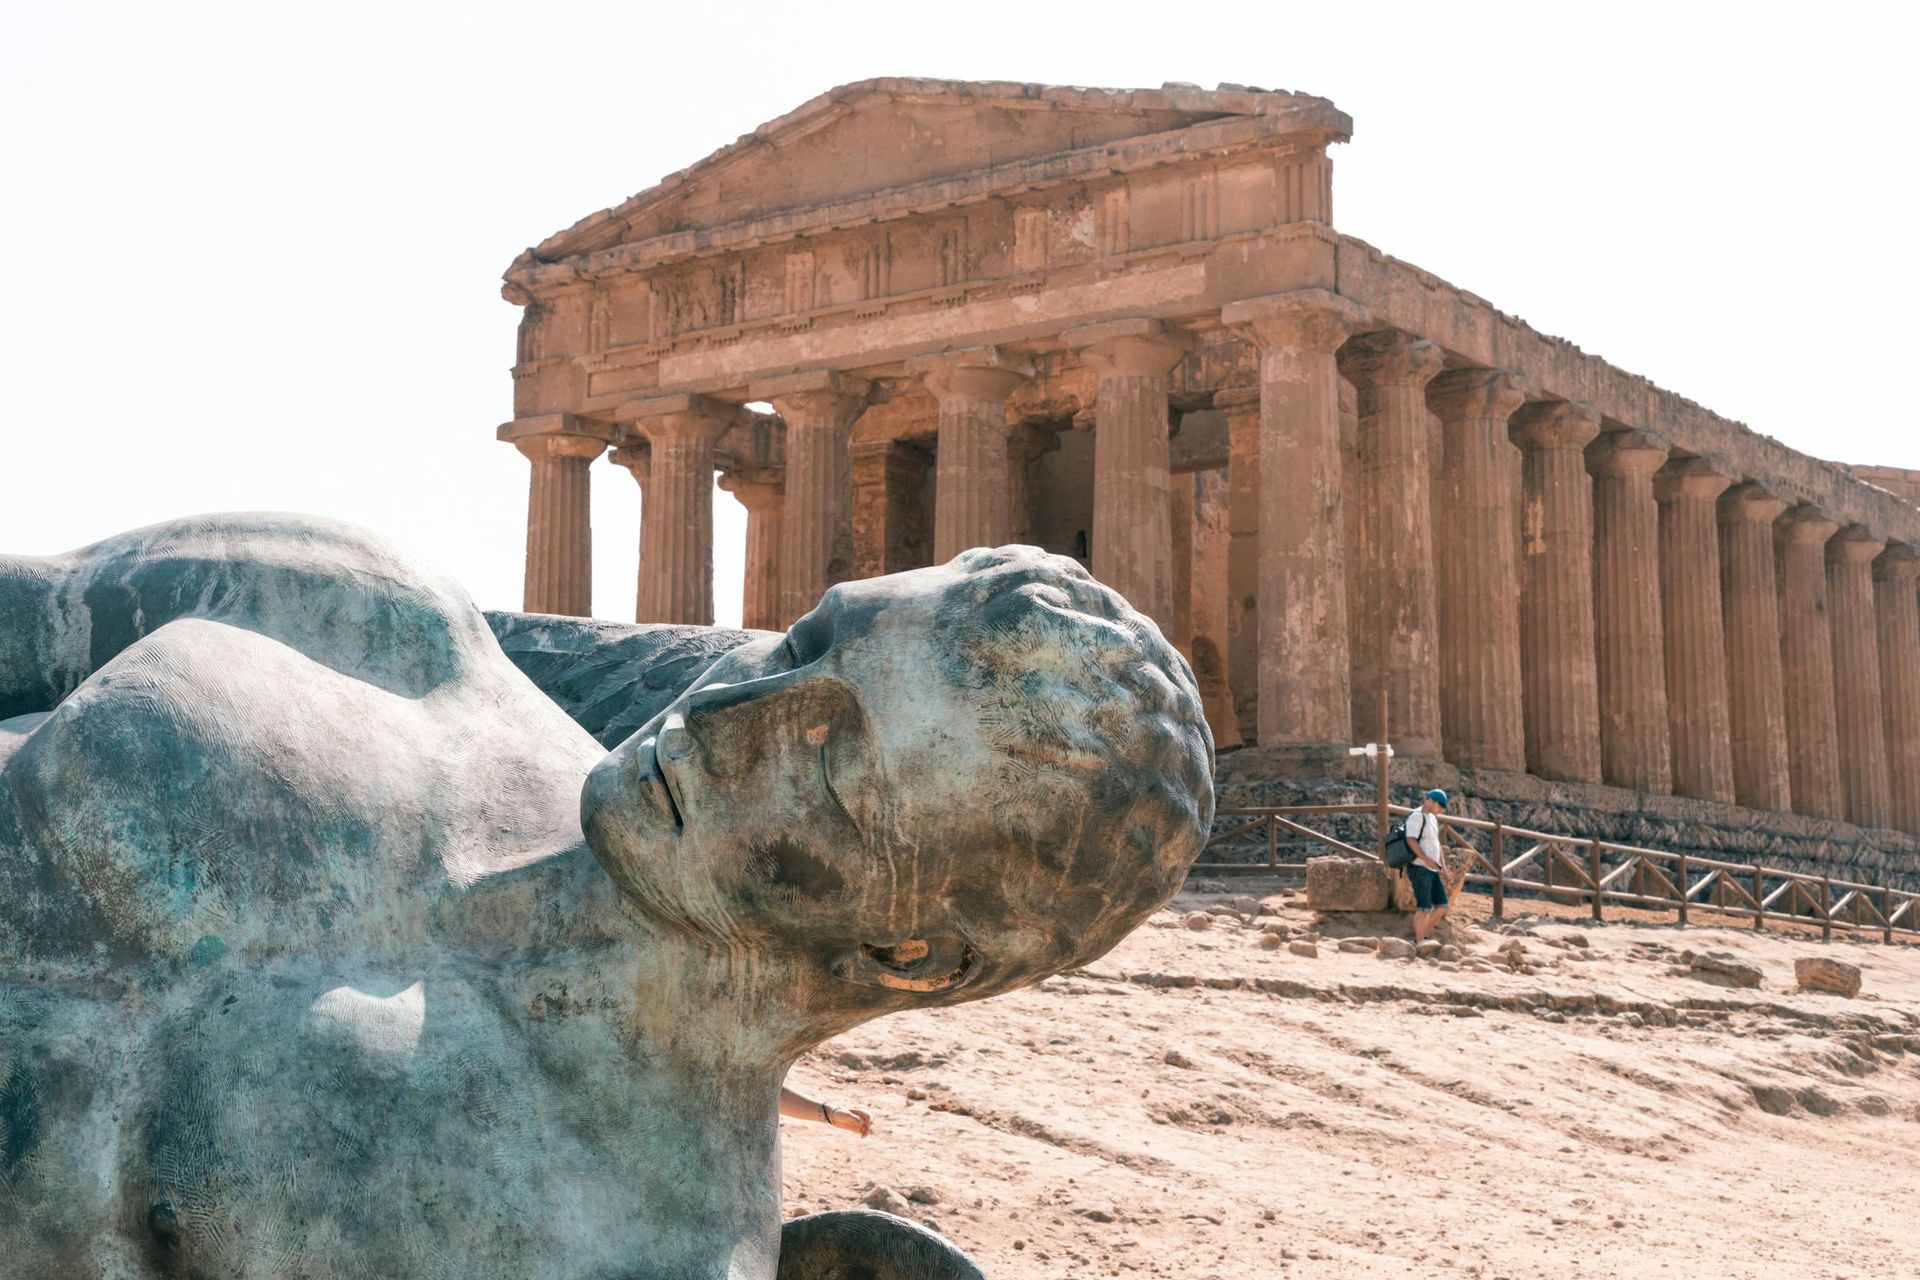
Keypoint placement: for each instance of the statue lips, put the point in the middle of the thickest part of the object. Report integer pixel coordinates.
(941, 963)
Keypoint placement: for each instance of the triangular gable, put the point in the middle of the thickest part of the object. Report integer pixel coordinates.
(888, 134)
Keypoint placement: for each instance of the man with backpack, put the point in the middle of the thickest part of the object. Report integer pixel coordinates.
(1427, 871)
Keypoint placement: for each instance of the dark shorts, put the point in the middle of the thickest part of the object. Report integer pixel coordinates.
(1429, 890)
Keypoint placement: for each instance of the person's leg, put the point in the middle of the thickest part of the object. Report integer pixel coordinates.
(1422, 922)
(1423, 882)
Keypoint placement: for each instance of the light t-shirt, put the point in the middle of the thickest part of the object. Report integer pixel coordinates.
(1424, 834)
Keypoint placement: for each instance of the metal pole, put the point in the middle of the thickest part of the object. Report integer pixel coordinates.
(1381, 765)
(1499, 870)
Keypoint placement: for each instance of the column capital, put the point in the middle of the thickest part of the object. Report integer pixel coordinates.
(1555, 424)
(807, 385)
(1132, 348)
(1391, 357)
(1459, 394)
(1313, 319)
(558, 435)
(1899, 563)
(1626, 453)
(1751, 502)
(1806, 524)
(972, 373)
(1855, 544)
(757, 491)
(680, 418)
(1702, 479)
(636, 455)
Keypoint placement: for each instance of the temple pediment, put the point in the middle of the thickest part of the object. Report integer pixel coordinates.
(885, 147)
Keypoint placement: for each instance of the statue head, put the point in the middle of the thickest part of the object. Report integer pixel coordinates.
(940, 784)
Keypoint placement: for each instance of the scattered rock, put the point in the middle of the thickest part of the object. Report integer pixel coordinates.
(924, 1195)
(1197, 920)
(1271, 941)
(1427, 950)
(1357, 944)
(1817, 973)
(1306, 949)
(1276, 926)
(1450, 952)
(1175, 1058)
(1246, 904)
(1347, 884)
(886, 1200)
(1092, 1213)
(1578, 940)
(1723, 966)
(1396, 949)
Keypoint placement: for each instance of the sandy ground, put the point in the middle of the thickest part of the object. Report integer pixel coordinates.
(1198, 1105)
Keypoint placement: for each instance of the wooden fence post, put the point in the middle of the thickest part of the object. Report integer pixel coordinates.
(1759, 900)
(1680, 888)
(1593, 873)
(1499, 871)
(1273, 841)
(1826, 908)
(1886, 916)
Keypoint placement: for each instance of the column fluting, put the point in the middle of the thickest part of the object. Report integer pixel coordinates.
(1857, 705)
(1630, 644)
(819, 409)
(559, 563)
(636, 456)
(1303, 670)
(1560, 686)
(1750, 607)
(971, 462)
(1396, 640)
(1242, 408)
(1688, 491)
(1806, 662)
(677, 522)
(762, 496)
(1132, 544)
(1477, 584)
(1896, 574)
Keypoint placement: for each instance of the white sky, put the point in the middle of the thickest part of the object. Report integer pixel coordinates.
(256, 248)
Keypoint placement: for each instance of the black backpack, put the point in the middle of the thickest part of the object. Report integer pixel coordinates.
(1399, 854)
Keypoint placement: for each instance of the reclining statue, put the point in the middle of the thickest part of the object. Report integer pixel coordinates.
(333, 944)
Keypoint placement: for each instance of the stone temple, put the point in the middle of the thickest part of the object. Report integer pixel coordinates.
(916, 316)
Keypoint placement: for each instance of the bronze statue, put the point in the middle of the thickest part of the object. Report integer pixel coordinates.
(335, 945)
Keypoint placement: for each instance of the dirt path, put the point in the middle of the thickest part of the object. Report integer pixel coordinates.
(1199, 1105)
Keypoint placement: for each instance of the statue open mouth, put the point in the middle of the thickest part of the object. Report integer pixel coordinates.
(917, 964)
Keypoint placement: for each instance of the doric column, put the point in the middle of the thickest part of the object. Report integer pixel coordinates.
(762, 494)
(970, 466)
(1688, 491)
(1242, 407)
(1025, 443)
(1396, 640)
(1304, 657)
(1750, 608)
(1806, 662)
(892, 527)
(1132, 514)
(1895, 575)
(636, 455)
(1857, 705)
(1481, 721)
(677, 521)
(1207, 604)
(1559, 684)
(1630, 645)
(559, 570)
(819, 408)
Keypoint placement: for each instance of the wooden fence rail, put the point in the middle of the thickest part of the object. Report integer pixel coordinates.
(1596, 872)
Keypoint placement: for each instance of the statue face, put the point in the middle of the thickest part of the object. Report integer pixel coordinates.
(915, 787)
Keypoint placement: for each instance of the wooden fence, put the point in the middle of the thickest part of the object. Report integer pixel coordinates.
(1587, 869)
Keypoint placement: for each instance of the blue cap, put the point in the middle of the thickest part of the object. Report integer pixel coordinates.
(1438, 796)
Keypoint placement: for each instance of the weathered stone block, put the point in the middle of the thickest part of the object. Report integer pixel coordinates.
(1817, 973)
(1346, 884)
